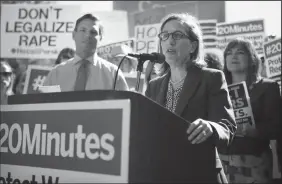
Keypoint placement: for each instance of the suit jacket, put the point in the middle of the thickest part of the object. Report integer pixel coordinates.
(204, 95)
(265, 102)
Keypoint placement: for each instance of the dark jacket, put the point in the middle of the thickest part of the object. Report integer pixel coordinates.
(265, 102)
(204, 95)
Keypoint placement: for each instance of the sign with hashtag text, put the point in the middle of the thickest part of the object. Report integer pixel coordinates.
(35, 77)
(272, 50)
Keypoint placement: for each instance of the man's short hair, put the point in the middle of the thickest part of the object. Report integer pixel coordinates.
(91, 17)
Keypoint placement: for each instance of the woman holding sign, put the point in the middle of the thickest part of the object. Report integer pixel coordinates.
(190, 90)
(249, 159)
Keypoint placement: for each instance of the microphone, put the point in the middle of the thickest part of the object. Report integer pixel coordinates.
(153, 57)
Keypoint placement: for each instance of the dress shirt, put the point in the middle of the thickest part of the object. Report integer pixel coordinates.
(101, 75)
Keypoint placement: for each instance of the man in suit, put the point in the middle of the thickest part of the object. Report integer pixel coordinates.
(86, 71)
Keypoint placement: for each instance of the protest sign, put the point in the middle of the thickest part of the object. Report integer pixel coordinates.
(242, 107)
(209, 33)
(149, 16)
(252, 30)
(73, 142)
(115, 25)
(37, 31)
(272, 55)
(106, 51)
(152, 12)
(35, 77)
(146, 38)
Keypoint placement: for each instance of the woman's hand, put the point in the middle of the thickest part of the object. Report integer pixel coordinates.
(199, 131)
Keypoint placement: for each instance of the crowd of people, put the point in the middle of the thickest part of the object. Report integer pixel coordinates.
(191, 84)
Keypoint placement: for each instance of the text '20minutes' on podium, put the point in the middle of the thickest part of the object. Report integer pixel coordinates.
(99, 136)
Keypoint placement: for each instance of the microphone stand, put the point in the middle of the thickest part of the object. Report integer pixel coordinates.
(139, 71)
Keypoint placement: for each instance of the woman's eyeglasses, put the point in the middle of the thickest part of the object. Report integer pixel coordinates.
(177, 35)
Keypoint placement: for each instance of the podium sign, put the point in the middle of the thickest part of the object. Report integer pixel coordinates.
(74, 142)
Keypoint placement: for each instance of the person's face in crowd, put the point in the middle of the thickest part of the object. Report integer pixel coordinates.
(64, 59)
(263, 70)
(86, 37)
(237, 59)
(20, 86)
(126, 66)
(177, 51)
(5, 77)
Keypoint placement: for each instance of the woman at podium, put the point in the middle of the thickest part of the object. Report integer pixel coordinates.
(188, 88)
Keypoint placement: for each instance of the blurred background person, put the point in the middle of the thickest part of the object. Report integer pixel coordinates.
(187, 88)
(18, 87)
(263, 67)
(213, 61)
(7, 77)
(129, 64)
(64, 55)
(249, 159)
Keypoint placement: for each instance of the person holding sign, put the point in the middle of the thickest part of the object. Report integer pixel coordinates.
(249, 159)
(192, 91)
(86, 71)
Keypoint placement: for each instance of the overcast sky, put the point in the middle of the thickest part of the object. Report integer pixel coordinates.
(270, 11)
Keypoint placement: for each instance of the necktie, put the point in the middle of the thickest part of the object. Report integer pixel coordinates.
(82, 74)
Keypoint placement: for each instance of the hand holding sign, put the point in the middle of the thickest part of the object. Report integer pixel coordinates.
(242, 109)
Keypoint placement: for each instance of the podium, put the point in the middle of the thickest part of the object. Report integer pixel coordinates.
(159, 150)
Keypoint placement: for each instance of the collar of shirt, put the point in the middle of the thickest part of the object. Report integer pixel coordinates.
(92, 59)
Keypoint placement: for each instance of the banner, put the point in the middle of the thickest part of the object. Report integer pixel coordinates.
(146, 38)
(72, 142)
(242, 107)
(252, 30)
(35, 77)
(106, 53)
(37, 31)
(209, 33)
(272, 55)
